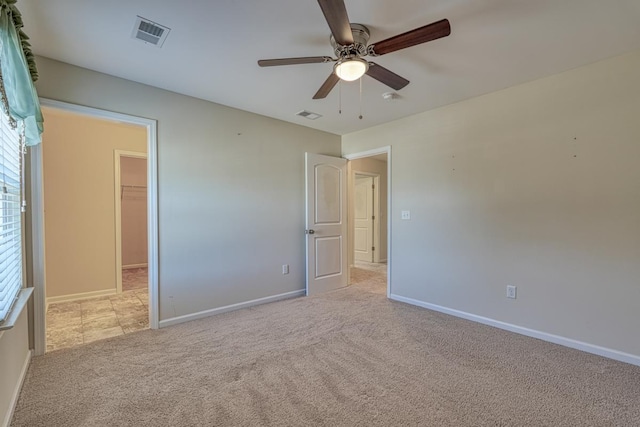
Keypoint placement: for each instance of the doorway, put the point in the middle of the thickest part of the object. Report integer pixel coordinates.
(369, 226)
(39, 194)
(366, 217)
(330, 180)
(130, 191)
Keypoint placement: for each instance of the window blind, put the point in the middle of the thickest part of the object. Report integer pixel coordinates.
(10, 217)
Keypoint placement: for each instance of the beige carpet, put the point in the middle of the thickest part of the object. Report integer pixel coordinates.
(347, 358)
(135, 278)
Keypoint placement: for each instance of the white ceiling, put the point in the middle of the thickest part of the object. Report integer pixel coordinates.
(213, 47)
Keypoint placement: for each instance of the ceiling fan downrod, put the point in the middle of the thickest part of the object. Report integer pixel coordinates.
(353, 50)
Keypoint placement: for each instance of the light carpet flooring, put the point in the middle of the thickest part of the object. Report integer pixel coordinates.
(346, 358)
(135, 279)
(376, 267)
(74, 323)
(370, 276)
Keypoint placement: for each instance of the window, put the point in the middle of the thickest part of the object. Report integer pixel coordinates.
(10, 216)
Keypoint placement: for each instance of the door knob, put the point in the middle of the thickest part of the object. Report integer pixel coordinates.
(310, 232)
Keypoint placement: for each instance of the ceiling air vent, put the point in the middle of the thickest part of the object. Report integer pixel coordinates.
(308, 115)
(150, 32)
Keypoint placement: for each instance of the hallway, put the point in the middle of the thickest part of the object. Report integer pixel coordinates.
(370, 276)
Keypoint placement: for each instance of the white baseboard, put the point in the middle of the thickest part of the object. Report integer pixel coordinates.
(220, 310)
(16, 392)
(81, 296)
(132, 266)
(556, 339)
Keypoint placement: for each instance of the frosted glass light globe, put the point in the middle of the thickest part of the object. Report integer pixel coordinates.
(351, 69)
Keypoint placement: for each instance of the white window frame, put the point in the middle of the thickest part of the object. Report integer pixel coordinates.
(11, 222)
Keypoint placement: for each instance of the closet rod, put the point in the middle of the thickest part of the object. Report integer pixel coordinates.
(122, 187)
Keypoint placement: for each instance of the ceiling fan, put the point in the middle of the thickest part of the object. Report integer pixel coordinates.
(349, 43)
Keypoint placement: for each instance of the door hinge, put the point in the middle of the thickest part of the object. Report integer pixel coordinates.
(373, 248)
(373, 217)
(373, 186)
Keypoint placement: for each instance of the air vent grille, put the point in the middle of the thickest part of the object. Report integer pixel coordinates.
(308, 115)
(150, 32)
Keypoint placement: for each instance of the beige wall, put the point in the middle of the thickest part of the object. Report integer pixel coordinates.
(377, 167)
(535, 186)
(78, 170)
(14, 351)
(231, 189)
(133, 178)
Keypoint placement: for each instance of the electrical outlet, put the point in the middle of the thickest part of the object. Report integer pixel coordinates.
(405, 215)
(285, 268)
(511, 291)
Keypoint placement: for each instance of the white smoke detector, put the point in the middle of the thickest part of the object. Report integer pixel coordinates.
(390, 96)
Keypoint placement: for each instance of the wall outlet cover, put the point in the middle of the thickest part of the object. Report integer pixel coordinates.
(511, 292)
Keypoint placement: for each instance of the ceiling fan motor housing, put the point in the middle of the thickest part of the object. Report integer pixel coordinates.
(358, 48)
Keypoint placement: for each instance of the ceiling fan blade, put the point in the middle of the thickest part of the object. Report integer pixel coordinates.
(386, 77)
(326, 87)
(335, 12)
(294, 61)
(420, 35)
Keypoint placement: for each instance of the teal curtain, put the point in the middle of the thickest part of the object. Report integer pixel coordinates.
(18, 70)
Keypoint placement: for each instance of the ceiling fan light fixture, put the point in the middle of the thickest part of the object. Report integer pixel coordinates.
(351, 69)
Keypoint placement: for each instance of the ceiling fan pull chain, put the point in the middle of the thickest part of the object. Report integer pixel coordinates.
(360, 117)
(340, 97)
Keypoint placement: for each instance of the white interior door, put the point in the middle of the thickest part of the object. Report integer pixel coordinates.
(363, 218)
(326, 224)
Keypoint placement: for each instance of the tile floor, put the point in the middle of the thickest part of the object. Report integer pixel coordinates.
(79, 322)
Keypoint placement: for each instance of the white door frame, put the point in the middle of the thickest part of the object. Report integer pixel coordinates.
(369, 153)
(37, 200)
(375, 240)
(117, 155)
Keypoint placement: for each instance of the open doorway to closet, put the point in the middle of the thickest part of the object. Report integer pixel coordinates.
(82, 177)
(130, 185)
(368, 231)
